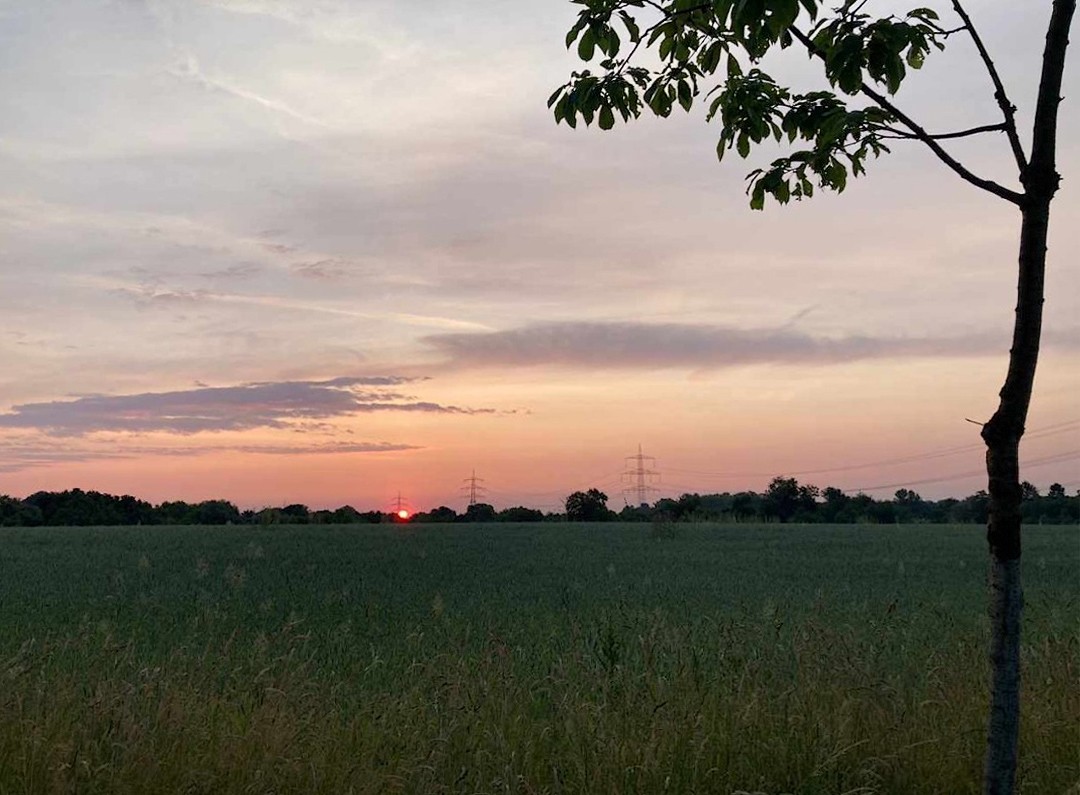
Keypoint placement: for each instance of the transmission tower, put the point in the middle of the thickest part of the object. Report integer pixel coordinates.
(472, 490)
(640, 478)
(400, 504)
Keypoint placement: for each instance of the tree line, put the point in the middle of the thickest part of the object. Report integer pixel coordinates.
(784, 500)
(787, 500)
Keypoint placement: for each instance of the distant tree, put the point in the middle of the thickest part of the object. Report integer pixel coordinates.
(1056, 491)
(974, 508)
(747, 505)
(269, 516)
(864, 60)
(17, 513)
(479, 512)
(1029, 491)
(441, 514)
(782, 498)
(834, 503)
(176, 512)
(910, 506)
(346, 514)
(688, 506)
(906, 497)
(588, 506)
(216, 512)
(296, 513)
(882, 512)
(520, 513)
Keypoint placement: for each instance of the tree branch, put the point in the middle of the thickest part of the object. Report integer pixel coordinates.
(942, 136)
(1008, 110)
(922, 135)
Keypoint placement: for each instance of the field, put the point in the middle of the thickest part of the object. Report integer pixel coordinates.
(522, 659)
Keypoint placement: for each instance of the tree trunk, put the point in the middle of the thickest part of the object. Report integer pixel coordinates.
(1003, 432)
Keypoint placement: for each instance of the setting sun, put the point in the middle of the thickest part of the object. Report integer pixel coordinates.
(403, 514)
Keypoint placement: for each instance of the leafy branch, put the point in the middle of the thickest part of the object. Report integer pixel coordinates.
(697, 40)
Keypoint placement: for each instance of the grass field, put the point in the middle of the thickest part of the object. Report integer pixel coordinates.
(522, 659)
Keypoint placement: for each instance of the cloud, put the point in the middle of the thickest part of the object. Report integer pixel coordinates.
(239, 270)
(147, 297)
(322, 270)
(642, 345)
(234, 408)
(190, 70)
(19, 456)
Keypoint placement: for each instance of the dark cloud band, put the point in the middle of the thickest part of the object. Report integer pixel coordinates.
(233, 408)
(15, 457)
(642, 345)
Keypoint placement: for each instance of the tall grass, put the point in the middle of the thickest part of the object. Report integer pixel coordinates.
(524, 659)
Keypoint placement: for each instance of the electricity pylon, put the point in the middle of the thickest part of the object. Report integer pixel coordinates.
(472, 490)
(400, 504)
(640, 478)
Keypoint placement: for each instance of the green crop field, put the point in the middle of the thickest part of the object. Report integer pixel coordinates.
(542, 658)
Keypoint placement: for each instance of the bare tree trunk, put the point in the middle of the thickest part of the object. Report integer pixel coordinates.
(1003, 432)
(1002, 435)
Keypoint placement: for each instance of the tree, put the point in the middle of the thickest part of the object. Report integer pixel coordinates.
(835, 502)
(443, 513)
(297, 513)
(587, 506)
(785, 498)
(782, 498)
(479, 512)
(346, 514)
(519, 513)
(864, 62)
(217, 512)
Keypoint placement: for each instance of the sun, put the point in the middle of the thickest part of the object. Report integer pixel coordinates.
(403, 514)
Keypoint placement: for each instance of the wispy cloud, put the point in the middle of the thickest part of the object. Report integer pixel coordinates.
(326, 270)
(189, 70)
(148, 296)
(16, 456)
(642, 345)
(233, 408)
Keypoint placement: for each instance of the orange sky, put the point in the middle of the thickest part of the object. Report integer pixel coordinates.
(269, 252)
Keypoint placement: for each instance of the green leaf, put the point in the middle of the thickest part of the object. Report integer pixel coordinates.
(686, 99)
(611, 43)
(757, 196)
(586, 46)
(573, 32)
(631, 27)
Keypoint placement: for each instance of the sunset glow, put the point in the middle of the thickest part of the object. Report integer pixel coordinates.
(238, 266)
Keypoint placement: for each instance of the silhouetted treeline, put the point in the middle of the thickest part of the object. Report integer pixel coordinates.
(92, 508)
(785, 500)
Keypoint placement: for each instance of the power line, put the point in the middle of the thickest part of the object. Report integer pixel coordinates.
(1057, 458)
(1049, 430)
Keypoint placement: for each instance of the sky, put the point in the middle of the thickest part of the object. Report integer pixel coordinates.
(330, 251)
